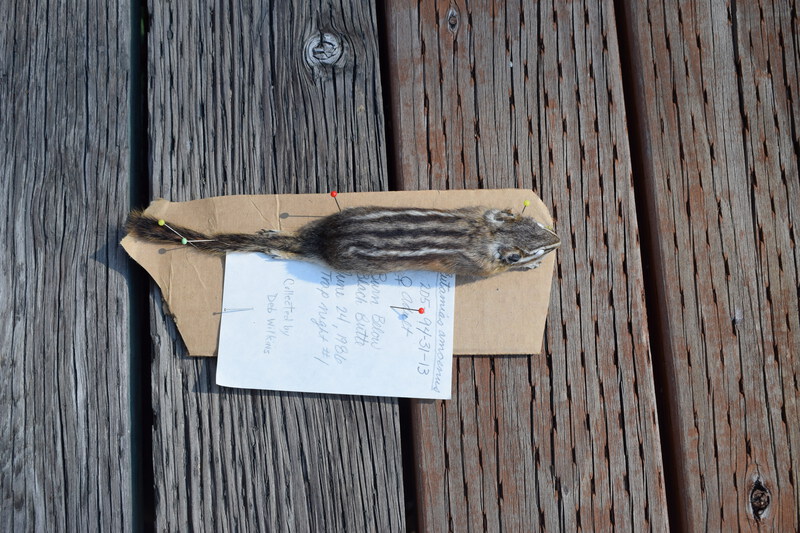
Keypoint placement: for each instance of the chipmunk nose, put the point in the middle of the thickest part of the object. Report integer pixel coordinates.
(555, 240)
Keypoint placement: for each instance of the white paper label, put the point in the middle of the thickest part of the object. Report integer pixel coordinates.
(296, 326)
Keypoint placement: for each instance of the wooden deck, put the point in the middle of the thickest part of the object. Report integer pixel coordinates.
(663, 136)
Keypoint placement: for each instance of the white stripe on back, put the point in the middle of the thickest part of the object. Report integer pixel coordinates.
(370, 252)
(406, 212)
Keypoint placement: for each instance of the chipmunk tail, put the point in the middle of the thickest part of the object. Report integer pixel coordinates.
(151, 229)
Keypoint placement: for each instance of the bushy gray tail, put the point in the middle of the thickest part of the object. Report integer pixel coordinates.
(151, 229)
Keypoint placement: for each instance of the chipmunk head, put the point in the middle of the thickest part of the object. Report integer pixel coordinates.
(521, 242)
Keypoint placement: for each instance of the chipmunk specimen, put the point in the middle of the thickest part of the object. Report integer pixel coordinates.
(470, 241)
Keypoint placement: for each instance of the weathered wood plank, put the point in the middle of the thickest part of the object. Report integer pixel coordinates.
(64, 381)
(716, 95)
(530, 95)
(235, 108)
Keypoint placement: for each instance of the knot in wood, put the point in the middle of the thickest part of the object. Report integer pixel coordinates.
(452, 18)
(759, 499)
(323, 49)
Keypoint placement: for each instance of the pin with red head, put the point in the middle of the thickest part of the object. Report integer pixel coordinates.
(334, 194)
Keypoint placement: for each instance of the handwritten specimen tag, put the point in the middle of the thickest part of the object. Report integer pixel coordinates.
(296, 326)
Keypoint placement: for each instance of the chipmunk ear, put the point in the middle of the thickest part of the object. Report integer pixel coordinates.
(498, 217)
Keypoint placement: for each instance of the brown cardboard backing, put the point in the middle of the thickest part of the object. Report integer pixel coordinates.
(504, 314)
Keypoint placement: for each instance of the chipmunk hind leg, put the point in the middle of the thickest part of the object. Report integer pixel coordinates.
(266, 236)
(277, 244)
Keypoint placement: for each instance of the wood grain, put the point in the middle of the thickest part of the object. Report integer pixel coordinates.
(64, 372)
(492, 95)
(716, 95)
(256, 98)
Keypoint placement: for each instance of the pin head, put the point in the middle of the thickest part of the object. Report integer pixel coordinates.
(161, 222)
(333, 194)
(184, 240)
(526, 203)
(421, 310)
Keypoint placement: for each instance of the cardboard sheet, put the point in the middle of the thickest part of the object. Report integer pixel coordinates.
(503, 314)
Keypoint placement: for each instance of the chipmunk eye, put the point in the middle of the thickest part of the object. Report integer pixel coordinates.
(513, 258)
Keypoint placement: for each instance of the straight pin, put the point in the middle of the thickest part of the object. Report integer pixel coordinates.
(184, 240)
(421, 310)
(333, 195)
(162, 222)
(233, 310)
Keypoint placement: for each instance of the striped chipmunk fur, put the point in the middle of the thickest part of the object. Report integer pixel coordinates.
(470, 241)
